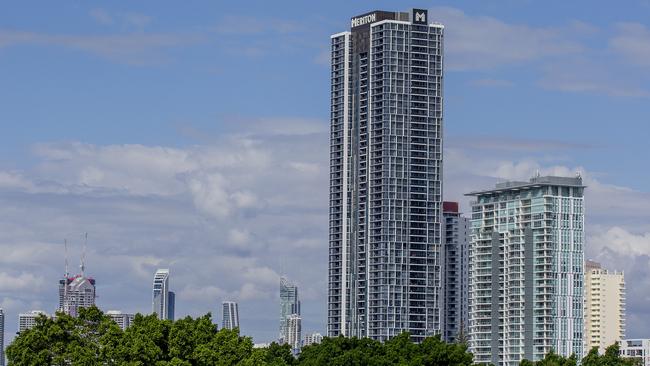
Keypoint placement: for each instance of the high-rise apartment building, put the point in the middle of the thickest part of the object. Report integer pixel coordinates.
(123, 320)
(2, 337)
(455, 273)
(289, 305)
(230, 315)
(386, 177)
(76, 292)
(527, 270)
(28, 320)
(294, 331)
(604, 306)
(160, 298)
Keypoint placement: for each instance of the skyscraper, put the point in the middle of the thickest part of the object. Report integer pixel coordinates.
(76, 292)
(160, 302)
(294, 331)
(2, 337)
(171, 305)
(604, 306)
(230, 315)
(385, 176)
(289, 305)
(527, 270)
(456, 272)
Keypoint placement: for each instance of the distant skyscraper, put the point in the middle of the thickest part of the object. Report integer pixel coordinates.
(313, 338)
(289, 305)
(76, 292)
(28, 320)
(294, 331)
(122, 319)
(604, 307)
(230, 315)
(386, 177)
(171, 305)
(527, 271)
(2, 337)
(160, 302)
(456, 272)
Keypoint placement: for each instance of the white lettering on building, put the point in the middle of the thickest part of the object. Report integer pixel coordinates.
(366, 19)
(420, 17)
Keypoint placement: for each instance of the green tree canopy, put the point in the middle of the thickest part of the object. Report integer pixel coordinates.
(94, 339)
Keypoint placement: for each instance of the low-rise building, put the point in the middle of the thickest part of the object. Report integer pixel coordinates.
(636, 348)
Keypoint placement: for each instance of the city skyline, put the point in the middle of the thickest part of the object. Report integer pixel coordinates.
(135, 124)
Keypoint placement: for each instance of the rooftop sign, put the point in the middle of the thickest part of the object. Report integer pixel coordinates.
(363, 20)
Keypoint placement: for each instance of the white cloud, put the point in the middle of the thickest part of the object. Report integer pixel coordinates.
(21, 282)
(482, 42)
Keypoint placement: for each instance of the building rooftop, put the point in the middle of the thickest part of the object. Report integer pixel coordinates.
(534, 182)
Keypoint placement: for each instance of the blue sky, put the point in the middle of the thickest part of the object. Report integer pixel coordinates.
(195, 137)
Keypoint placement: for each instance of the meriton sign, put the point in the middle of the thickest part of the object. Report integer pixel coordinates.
(362, 20)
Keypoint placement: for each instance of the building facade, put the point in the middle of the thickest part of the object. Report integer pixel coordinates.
(456, 273)
(312, 338)
(289, 305)
(160, 297)
(526, 264)
(604, 306)
(2, 337)
(76, 292)
(171, 305)
(294, 332)
(230, 315)
(123, 320)
(28, 320)
(636, 348)
(386, 177)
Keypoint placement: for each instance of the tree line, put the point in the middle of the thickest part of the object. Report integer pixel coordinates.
(93, 338)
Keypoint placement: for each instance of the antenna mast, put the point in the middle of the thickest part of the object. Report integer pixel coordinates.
(65, 244)
(83, 256)
(65, 279)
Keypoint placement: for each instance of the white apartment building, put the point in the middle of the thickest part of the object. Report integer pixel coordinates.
(526, 265)
(294, 331)
(230, 312)
(604, 306)
(161, 294)
(636, 348)
(28, 320)
(312, 338)
(123, 320)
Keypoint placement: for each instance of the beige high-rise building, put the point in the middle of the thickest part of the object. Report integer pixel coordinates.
(604, 307)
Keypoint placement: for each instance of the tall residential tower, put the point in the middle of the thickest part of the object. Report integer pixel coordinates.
(162, 296)
(289, 305)
(455, 274)
(386, 176)
(604, 307)
(527, 270)
(230, 314)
